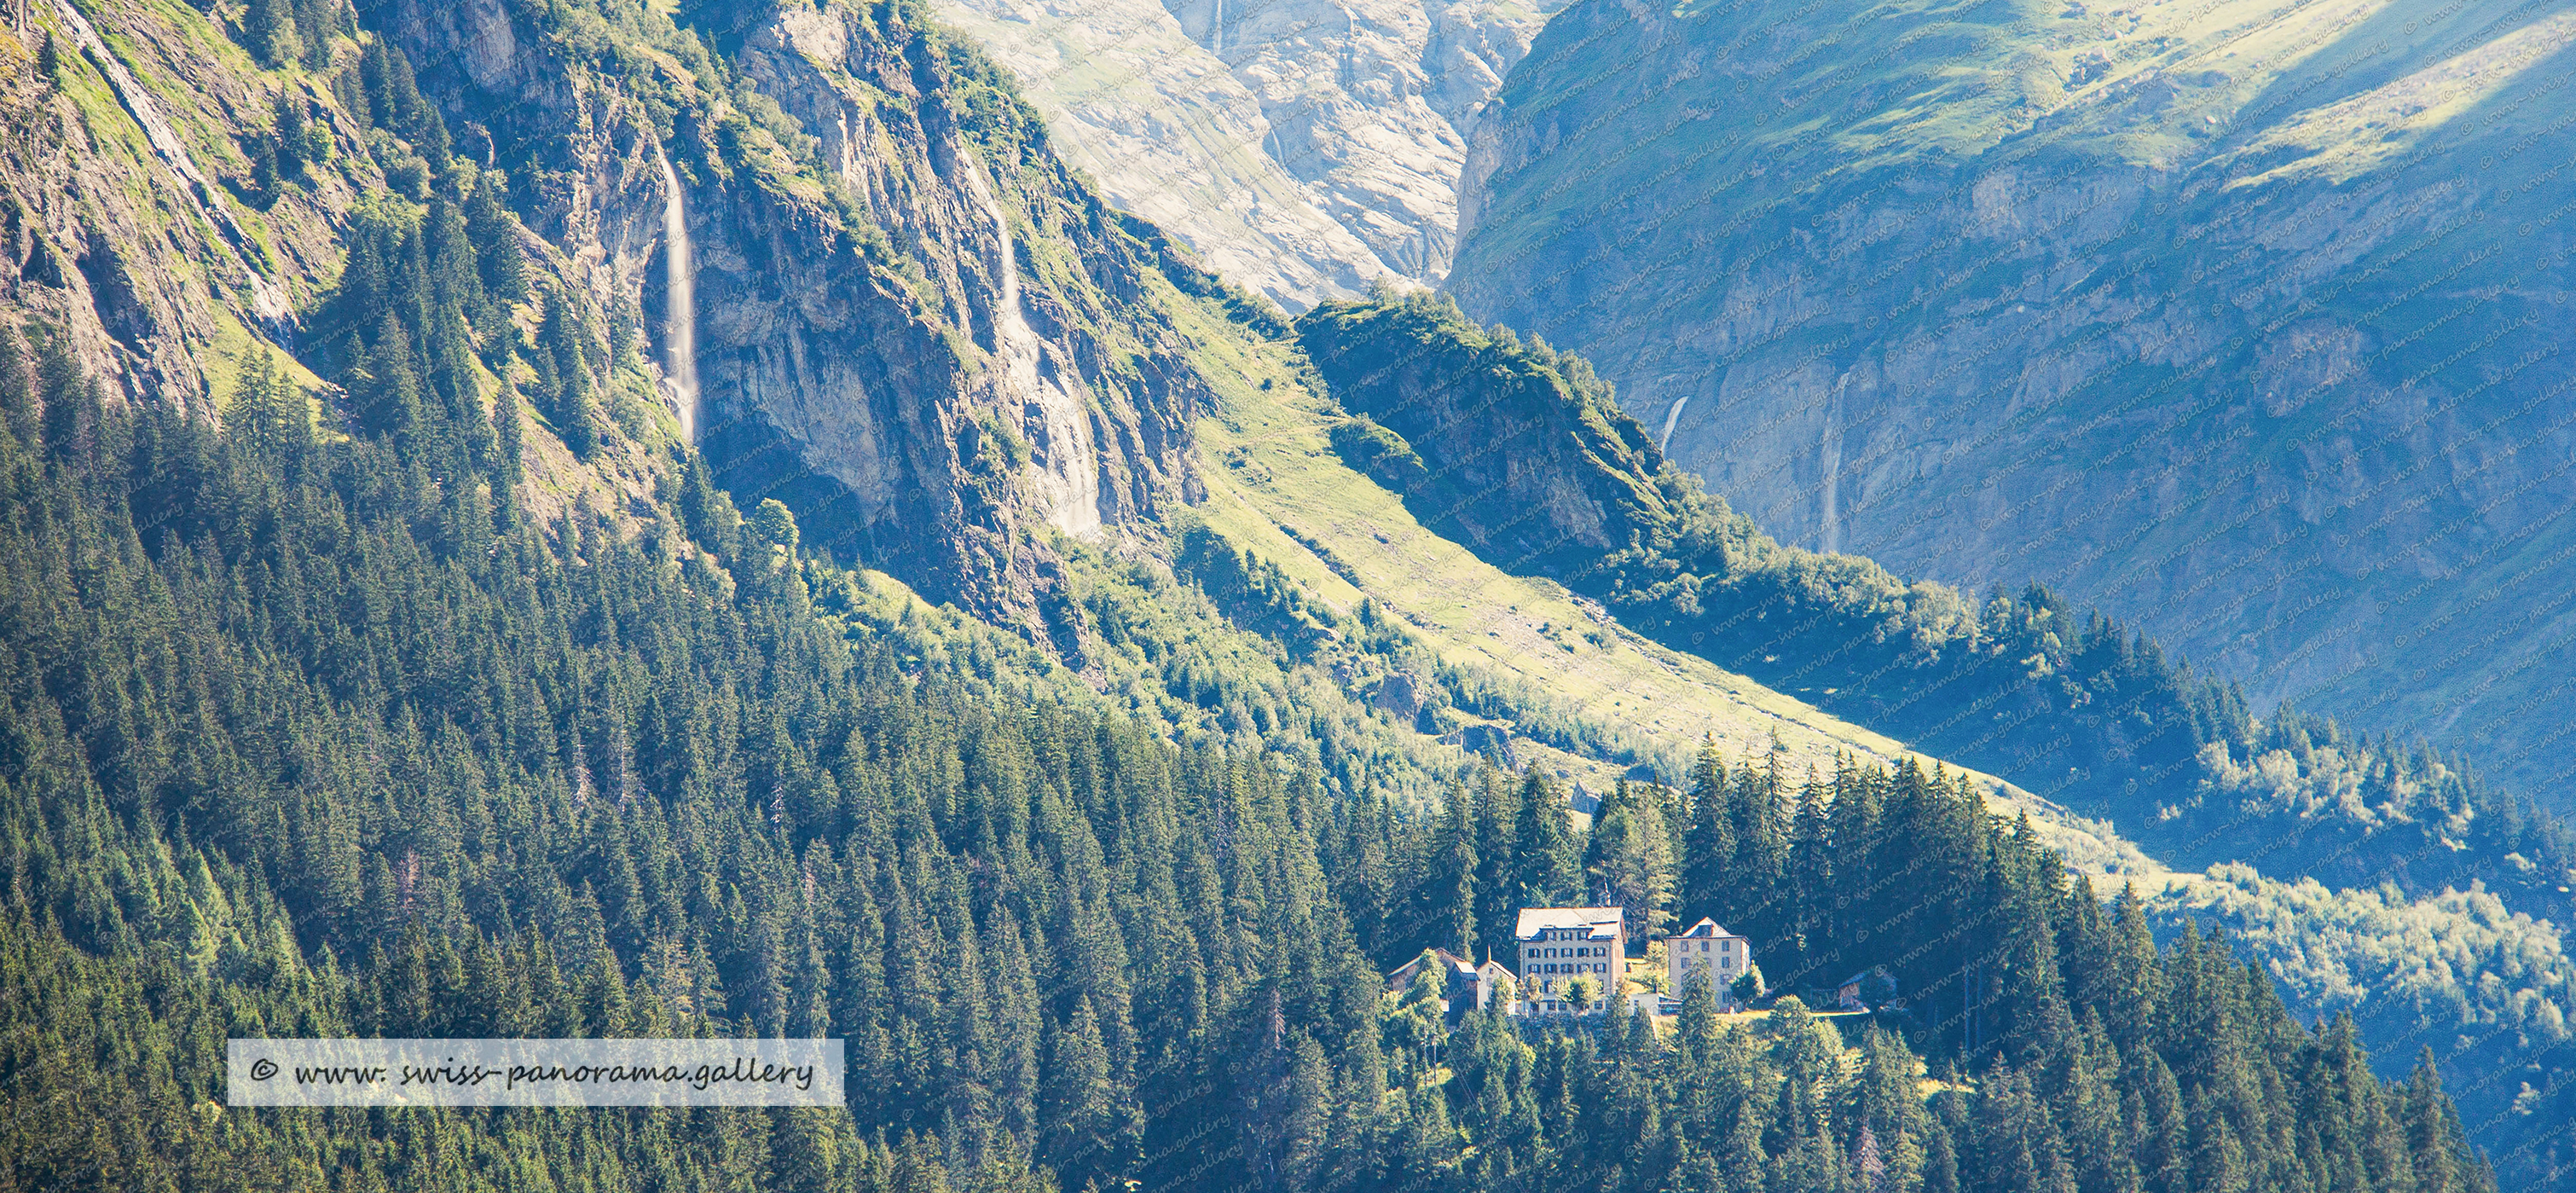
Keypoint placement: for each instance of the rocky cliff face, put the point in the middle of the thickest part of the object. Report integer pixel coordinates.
(129, 224)
(914, 326)
(1302, 147)
(2243, 324)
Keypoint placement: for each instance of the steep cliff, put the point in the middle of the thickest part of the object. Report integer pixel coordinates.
(914, 326)
(2241, 322)
(1302, 147)
(134, 229)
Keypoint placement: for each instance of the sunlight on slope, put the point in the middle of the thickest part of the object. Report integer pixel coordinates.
(2341, 141)
(1276, 487)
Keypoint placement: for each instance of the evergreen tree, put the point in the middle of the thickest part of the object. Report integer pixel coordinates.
(1549, 870)
(286, 119)
(1631, 858)
(269, 412)
(316, 21)
(1708, 854)
(567, 371)
(268, 32)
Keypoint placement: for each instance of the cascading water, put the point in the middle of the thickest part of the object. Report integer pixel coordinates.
(1068, 478)
(680, 338)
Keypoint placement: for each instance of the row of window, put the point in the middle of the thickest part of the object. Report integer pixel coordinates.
(1597, 951)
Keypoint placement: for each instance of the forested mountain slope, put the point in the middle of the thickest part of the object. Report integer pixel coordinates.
(2238, 321)
(1521, 455)
(425, 682)
(571, 783)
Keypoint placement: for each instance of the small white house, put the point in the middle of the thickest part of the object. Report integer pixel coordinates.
(1707, 953)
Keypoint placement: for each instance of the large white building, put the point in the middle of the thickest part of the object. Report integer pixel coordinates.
(1560, 944)
(1706, 953)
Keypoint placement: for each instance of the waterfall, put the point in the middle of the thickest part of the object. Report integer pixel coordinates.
(680, 332)
(1672, 418)
(1067, 479)
(1831, 456)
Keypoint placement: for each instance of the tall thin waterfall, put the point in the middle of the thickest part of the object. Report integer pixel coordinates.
(1831, 457)
(1068, 463)
(680, 337)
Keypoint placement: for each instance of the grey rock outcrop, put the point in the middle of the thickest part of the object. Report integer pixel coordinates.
(129, 234)
(1302, 147)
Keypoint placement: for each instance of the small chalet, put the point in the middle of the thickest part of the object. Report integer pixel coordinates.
(1848, 995)
(1465, 985)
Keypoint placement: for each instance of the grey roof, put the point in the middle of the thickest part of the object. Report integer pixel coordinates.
(1457, 965)
(1603, 922)
(1707, 929)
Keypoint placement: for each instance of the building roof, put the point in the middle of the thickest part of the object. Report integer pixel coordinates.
(1455, 964)
(1602, 921)
(1863, 976)
(1708, 929)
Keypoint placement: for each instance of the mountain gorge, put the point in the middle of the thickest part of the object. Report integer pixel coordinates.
(1300, 149)
(2237, 321)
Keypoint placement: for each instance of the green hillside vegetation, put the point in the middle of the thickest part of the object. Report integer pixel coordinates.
(2070, 706)
(301, 765)
(2378, 955)
(477, 706)
(1522, 649)
(2061, 701)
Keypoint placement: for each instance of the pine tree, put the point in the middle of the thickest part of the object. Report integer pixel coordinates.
(495, 236)
(268, 32)
(269, 411)
(71, 400)
(286, 120)
(19, 404)
(1549, 869)
(316, 21)
(1708, 855)
(570, 408)
(1632, 860)
(1498, 816)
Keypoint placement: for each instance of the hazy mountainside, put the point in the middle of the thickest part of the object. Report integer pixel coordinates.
(2240, 321)
(440, 688)
(1520, 454)
(1300, 148)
